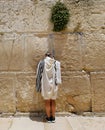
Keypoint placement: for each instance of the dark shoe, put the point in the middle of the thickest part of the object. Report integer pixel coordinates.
(52, 119)
(48, 119)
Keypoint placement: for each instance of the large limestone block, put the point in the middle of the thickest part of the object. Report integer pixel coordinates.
(98, 91)
(35, 49)
(95, 19)
(96, 22)
(7, 93)
(7, 17)
(68, 51)
(11, 53)
(86, 16)
(24, 16)
(94, 56)
(21, 52)
(27, 97)
(34, 16)
(75, 93)
(79, 12)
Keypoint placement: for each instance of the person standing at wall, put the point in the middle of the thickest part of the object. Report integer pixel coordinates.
(48, 79)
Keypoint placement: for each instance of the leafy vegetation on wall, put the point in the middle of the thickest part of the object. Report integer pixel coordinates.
(60, 16)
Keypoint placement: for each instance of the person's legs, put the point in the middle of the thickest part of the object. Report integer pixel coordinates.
(48, 108)
(53, 108)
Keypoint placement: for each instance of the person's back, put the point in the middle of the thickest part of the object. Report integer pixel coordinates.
(49, 78)
(49, 88)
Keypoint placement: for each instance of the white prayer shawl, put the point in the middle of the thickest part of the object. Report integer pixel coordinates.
(58, 72)
(48, 87)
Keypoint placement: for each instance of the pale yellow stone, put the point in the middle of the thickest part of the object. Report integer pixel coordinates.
(25, 36)
(68, 51)
(75, 90)
(94, 57)
(27, 98)
(35, 49)
(7, 93)
(98, 89)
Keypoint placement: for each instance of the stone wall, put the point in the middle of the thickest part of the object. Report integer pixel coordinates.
(26, 34)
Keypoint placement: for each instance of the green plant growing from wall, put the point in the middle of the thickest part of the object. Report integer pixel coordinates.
(60, 16)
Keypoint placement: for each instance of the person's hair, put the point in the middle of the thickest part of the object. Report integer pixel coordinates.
(48, 54)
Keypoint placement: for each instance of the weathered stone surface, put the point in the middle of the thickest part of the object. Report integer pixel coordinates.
(7, 93)
(98, 89)
(24, 16)
(68, 51)
(11, 53)
(26, 34)
(33, 16)
(75, 91)
(35, 49)
(27, 98)
(21, 52)
(86, 16)
(94, 57)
